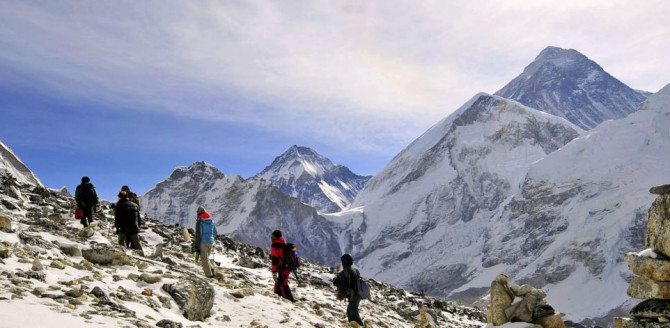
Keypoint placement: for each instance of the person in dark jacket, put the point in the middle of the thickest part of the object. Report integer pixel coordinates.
(86, 199)
(280, 272)
(135, 199)
(346, 288)
(126, 221)
(205, 231)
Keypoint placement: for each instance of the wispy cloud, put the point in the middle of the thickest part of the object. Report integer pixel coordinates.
(365, 74)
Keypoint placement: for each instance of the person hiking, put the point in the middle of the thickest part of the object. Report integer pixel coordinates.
(86, 199)
(205, 231)
(280, 272)
(133, 198)
(346, 288)
(125, 221)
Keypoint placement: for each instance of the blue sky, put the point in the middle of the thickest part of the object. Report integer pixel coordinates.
(125, 91)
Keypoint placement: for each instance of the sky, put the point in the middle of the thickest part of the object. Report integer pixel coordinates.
(125, 91)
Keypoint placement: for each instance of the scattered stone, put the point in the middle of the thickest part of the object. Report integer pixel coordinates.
(5, 253)
(241, 293)
(147, 292)
(58, 264)
(37, 265)
(5, 223)
(168, 324)
(150, 279)
(105, 255)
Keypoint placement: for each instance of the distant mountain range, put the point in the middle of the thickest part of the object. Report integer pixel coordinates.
(546, 181)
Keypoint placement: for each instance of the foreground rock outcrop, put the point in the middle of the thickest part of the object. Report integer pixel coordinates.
(651, 268)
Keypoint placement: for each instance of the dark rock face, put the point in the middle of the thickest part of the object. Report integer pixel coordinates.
(567, 84)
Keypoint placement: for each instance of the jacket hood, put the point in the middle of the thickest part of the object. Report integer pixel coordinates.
(204, 216)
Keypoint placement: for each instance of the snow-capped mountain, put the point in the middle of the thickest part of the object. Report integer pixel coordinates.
(420, 222)
(501, 188)
(304, 174)
(567, 84)
(10, 163)
(246, 210)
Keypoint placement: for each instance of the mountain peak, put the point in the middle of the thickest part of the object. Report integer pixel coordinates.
(298, 160)
(565, 83)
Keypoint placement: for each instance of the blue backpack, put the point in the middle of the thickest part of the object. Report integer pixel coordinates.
(363, 288)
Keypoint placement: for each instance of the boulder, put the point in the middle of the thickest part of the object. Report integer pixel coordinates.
(5, 223)
(658, 225)
(150, 278)
(660, 190)
(550, 321)
(647, 267)
(501, 298)
(194, 296)
(658, 310)
(102, 254)
(643, 288)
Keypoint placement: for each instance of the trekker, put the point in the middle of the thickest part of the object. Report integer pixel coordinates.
(205, 230)
(280, 272)
(346, 288)
(86, 199)
(133, 198)
(125, 221)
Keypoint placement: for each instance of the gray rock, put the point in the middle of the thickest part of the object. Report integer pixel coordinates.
(37, 265)
(650, 268)
(658, 225)
(5, 223)
(660, 190)
(501, 298)
(642, 288)
(168, 324)
(150, 278)
(194, 296)
(104, 254)
(652, 308)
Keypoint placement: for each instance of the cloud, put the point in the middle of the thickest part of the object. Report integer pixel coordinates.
(368, 74)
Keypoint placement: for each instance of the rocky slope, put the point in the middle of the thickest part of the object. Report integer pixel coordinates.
(10, 163)
(55, 273)
(567, 84)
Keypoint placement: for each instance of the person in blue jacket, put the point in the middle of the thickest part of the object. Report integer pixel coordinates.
(205, 230)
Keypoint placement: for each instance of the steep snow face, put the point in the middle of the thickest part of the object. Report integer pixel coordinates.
(567, 84)
(429, 209)
(10, 163)
(579, 210)
(302, 173)
(246, 210)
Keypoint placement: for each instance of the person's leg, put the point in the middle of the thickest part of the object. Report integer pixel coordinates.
(352, 310)
(205, 249)
(286, 290)
(122, 239)
(135, 242)
(89, 214)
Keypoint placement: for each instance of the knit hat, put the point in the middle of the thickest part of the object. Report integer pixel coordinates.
(125, 188)
(85, 179)
(200, 210)
(276, 233)
(347, 260)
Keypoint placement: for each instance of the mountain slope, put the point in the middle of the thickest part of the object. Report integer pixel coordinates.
(302, 173)
(10, 163)
(567, 84)
(246, 210)
(430, 207)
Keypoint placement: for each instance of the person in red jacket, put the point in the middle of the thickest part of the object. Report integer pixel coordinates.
(280, 272)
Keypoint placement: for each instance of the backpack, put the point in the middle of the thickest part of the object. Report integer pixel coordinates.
(291, 258)
(88, 194)
(363, 288)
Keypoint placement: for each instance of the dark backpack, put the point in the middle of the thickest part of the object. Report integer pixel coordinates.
(88, 194)
(291, 258)
(363, 288)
